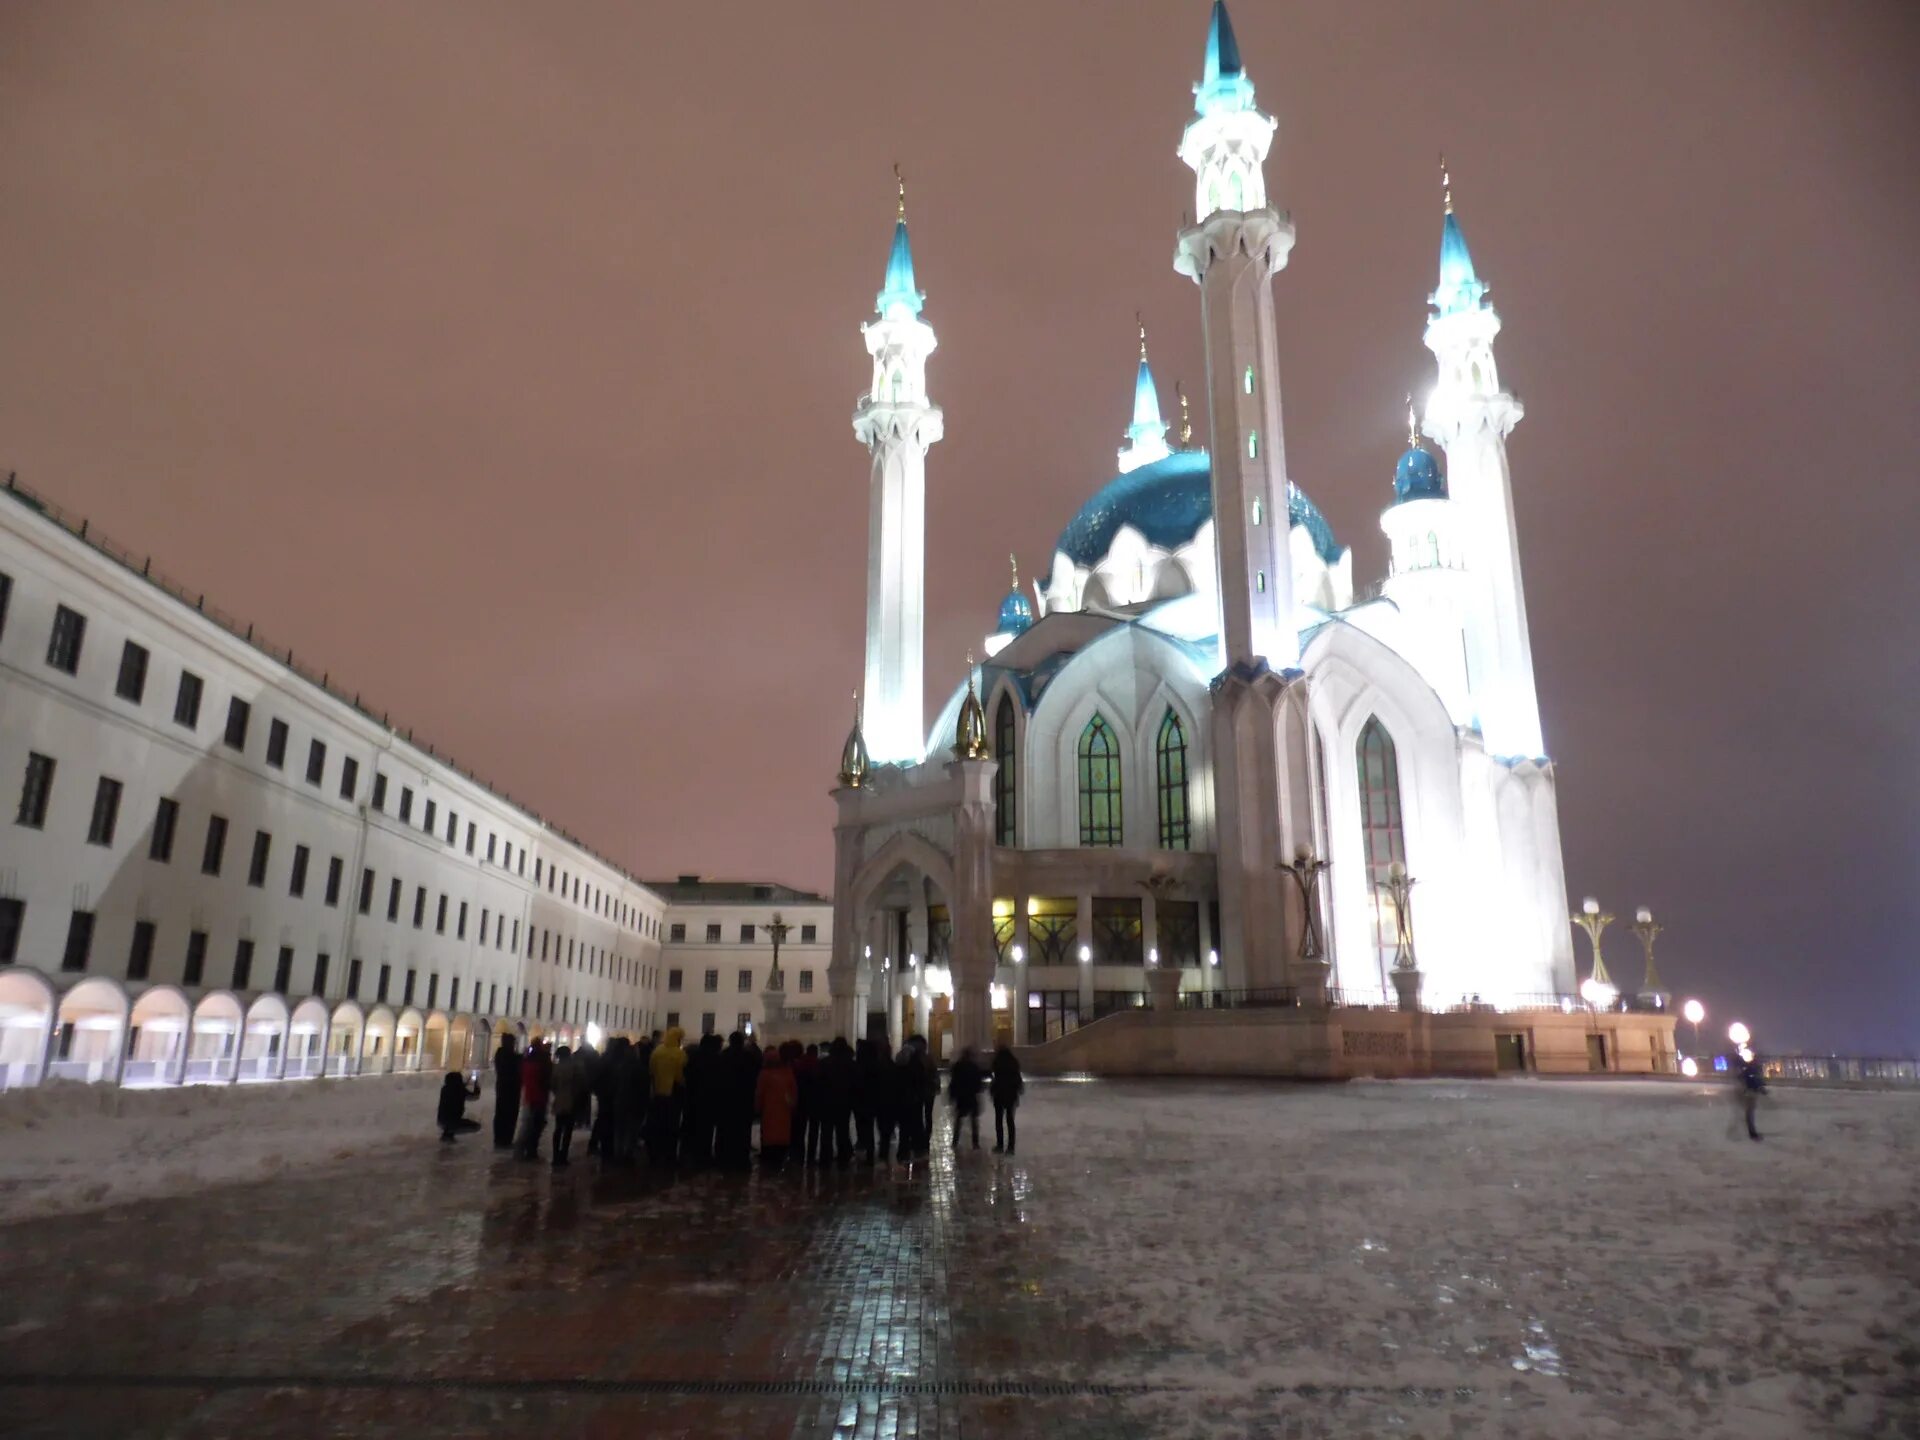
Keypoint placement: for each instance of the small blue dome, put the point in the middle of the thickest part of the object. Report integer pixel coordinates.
(1016, 613)
(1418, 477)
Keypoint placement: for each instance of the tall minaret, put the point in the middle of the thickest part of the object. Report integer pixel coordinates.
(1262, 802)
(1237, 246)
(1147, 435)
(1470, 416)
(897, 423)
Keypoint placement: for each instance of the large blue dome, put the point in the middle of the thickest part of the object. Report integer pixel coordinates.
(1417, 476)
(1168, 501)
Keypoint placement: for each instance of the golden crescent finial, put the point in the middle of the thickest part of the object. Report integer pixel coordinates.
(900, 180)
(1014, 561)
(1446, 185)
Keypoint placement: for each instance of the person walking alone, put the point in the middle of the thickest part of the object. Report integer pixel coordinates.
(506, 1091)
(1007, 1082)
(1753, 1084)
(964, 1085)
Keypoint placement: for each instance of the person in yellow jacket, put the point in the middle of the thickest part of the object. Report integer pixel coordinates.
(669, 1070)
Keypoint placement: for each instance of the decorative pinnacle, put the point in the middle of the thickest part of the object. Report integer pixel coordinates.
(1014, 561)
(900, 180)
(1446, 186)
(1413, 424)
(1186, 420)
(1143, 333)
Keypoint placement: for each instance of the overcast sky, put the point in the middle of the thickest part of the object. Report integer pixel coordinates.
(500, 359)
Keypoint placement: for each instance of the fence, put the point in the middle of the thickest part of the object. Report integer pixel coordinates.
(1841, 1070)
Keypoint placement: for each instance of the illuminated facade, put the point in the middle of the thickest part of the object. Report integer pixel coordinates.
(1194, 694)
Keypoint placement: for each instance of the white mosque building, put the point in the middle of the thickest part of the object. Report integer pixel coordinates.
(1195, 696)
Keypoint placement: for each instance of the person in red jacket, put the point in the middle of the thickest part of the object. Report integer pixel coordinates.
(775, 1098)
(536, 1084)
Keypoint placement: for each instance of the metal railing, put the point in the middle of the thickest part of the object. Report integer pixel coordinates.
(1841, 1069)
(1283, 997)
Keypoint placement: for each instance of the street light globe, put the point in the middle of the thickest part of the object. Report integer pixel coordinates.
(1738, 1033)
(1597, 993)
(1689, 1067)
(1694, 1012)
(1086, 954)
(1746, 1053)
(1643, 915)
(1018, 954)
(1590, 905)
(1213, 958)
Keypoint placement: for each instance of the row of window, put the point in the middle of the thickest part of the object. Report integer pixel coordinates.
(67, 639)
(743, 1021)
(1099, 782)
(677, 933)
(710, 982)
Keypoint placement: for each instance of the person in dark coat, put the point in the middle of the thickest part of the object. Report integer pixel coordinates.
(909, 1084)
(506, 1091)
(702, 1101)
(737, 1079)
(808, 1130)
(606, 1081)
(837, 1080)
(929, 1090)
(568, 1083)
(1007, 1082)
(1753, 1084)
(867, 1083)
(631, 1093)
(454, 1094)
(963, 1090)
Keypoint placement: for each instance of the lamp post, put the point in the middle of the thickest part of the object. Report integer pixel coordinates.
(777, 931)
(1406, 973)
(773, 999)
(1310, 968)
(1694, 1012)
(1592, 919)
(1647, 930)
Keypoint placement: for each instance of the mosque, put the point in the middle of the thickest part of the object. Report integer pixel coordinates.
(1195, 749)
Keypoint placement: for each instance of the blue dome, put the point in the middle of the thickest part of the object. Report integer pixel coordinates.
(1016, 613)
(1418, 477)
(1168, 501)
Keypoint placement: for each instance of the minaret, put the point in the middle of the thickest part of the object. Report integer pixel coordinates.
(1147, 435)
(1233, 252)
(1470, 416)
(1262, 804)
(897, 423)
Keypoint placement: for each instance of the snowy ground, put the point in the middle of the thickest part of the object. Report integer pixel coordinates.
(1515, 1258)
(67, 1147)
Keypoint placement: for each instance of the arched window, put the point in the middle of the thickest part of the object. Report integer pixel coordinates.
(1253, 444)
(897, 385)
(1246, 380)
(1384, 839)
(1099, 784)
(1170, 751)
(1003, 779)
(1236, 191)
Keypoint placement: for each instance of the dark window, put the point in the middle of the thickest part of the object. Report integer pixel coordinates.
(433, 991)
(472, 831)
(674, 979)
(242, 964)
(379, 791)
(419, 906)
(393, 898)
(676, 932)
(453, 993)
(406, 803)
(806, 982)
(1177, 932)
(316, 761)
(239, 713)
(516, 934)
(536, 871)
(453, 826)
(35, 789)
(13, 915)
(366, 892)
(320, 962)
(79, 941)
(1385, 843)
(277, 744)
(386, 979)
(132, 684)
(216, 847)
(460, 925)
(440, 916)
(1170, 754)
(196, 967)
(426, 822)
(809, 934)
(297, 886)
(165, 817)
(63, 645)
(353, 979)
(485, 914)
(490, 840)
(106, 812)
(710, 982)
(1003, 786)
(6, 595)
(257, 865)
(746, 981)
(746, 934)
(140, 953)
(1117, 931)
(1051, 1014)
(349, 777)
(713, 934)
(1099, 784)
(520, 865)
(406, 989)
(186, 700)
(283, 971)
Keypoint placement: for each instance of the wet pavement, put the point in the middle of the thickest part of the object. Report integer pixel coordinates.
(1352, 1260)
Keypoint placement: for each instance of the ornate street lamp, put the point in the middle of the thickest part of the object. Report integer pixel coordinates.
(1592, 919)
(1400, 888)
(1306, 870)
(1647, 931)
(1694, 1012)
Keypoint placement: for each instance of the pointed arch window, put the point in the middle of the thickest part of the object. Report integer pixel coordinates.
(1003, 778)
(1170, 757)
(1384, 839)
(1099, 784)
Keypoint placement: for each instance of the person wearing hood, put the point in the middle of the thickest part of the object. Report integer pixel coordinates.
(963, 1090)
(506, 1091)
(668, 1067)
(1007, 1082)
(775, 1096)
(569, 1084)
(454, 1094)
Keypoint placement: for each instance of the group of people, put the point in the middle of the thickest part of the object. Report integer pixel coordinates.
(698, 1104)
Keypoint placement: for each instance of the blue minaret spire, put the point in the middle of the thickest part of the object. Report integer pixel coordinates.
(1223, 84)
(898, 289)
(1459, 289)
(1147, 435)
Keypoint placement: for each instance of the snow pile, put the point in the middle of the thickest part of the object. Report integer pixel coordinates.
(66, 1147)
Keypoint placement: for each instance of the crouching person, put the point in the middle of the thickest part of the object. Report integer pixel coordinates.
(454, 1094)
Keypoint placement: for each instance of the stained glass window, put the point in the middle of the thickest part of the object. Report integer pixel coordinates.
(1099, 784)
(1385, 840)
(1176, 830)
(1003, 779)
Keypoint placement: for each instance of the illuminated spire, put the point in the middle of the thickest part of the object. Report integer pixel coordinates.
(1413, 425)
(1459, 288)
(1147, 435)
(970, 733)
(1223, 84)
(899, 295)
(853, 755)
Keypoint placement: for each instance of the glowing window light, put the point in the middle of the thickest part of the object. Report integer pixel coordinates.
(1689, 1067)
(1213, 957)
(1253, 444)
(1246, 380)
(1259, 510)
